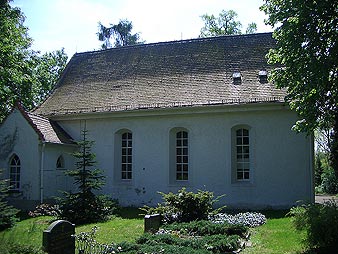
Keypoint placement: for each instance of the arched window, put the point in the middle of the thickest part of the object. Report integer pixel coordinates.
(126, 155)
(242, 152)
(182, 156)
(14, 172)
(179, 167)
(60, 163)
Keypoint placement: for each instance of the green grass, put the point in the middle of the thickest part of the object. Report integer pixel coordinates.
(126, 227)
(276, 236)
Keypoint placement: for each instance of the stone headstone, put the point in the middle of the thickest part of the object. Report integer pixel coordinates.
(58, 238)
(152, 222)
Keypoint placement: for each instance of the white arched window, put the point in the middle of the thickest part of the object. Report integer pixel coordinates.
(182, 156)
(242, 156)
(126, 155)
(14, 172)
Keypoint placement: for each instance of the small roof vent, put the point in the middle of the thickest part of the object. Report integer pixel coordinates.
(237, 78)
(263, 76)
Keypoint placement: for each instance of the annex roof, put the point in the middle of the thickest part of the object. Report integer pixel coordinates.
(47, 130)
(169, 74)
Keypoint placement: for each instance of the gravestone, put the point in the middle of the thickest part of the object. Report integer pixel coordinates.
(58, 238)
(152, 222)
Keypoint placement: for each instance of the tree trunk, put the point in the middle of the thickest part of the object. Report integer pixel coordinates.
(334, 146)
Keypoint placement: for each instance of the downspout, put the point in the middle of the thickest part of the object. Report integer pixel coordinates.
(311, 167)
(41, 170)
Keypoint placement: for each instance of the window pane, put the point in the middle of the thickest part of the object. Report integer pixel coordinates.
(245, 132)
(179, 134)
(246, 140)
(185, 159)
(185, 142)
(185, 134)
(239, 141)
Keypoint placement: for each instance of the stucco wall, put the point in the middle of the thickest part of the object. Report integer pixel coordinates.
(280, 158)
(18, 137)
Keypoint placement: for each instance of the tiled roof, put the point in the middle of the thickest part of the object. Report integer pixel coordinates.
(47, 130)
(179, 73)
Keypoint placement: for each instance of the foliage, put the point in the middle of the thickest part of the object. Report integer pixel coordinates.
(81, 208)
(7, 213)
(318, 170)
(84, 206)
(329, 182)
(306, 35)
(225, 24)
(121, 34)
(320, 222)
(45, 210)
(212, 243)
(25, 76)
(185, 206)
(204, 227)
(248, 219)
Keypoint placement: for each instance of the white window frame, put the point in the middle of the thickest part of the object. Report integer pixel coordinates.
(127, 155)
(242, 154)
(14, 173)
(182, 155)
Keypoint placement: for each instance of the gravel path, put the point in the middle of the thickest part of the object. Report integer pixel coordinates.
(322, 198)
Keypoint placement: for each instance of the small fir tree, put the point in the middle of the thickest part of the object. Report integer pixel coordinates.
(85, 177)
(7, 213)
(84, 206)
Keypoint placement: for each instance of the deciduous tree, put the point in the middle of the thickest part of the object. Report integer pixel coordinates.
(121, 34)
(25, 75)
(225, 24)
(306, 33)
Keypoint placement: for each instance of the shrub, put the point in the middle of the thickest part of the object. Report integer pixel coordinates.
(320, 222)
(212, 243)
(185, 206)
(202, 228)
(7, 213)
(329, 181)
(87, 208)
(45, 210)
(249, 219)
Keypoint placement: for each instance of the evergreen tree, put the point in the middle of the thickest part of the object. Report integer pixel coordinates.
(7, 212)
(85, 206)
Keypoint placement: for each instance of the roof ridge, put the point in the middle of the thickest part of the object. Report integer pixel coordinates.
(201, 39)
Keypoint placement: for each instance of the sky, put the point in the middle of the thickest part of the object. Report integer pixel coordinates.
(73, 24)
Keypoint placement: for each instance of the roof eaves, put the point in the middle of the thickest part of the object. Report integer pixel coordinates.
(30, 121)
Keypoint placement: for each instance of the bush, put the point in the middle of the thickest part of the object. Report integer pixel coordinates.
(329, 181)
(320, 222)
(185, 206)
(202, 228)
(249, 219)
(7, 213)
(45, 210)
(87, 208)
(212, 243)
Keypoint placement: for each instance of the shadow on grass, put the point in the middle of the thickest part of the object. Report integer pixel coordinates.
(130, 213)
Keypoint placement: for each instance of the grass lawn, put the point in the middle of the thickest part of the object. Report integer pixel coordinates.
(276, 236)
(127, 227)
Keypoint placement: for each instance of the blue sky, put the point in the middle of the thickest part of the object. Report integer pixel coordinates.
(72, 24)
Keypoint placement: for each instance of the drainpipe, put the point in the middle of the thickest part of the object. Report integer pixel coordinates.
(311, 166)
(41, 170)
